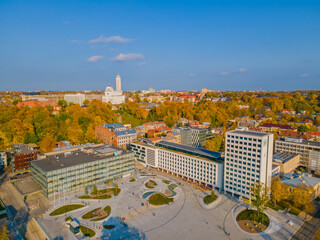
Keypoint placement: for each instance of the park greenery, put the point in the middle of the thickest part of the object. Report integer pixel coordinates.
(109, 227)
(68, 219)
(210, 198)
(261, 197)
(159, 199)
(66, 208)
(88, 232)
(132, 180)
(102, 194)
(166, 181)
(151, 184)
(41, 126)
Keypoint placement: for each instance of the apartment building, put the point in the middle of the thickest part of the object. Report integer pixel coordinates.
(248, 159)
(309, 151)
(3, 159)
(22, 156)
(199, 165)
(78, 168)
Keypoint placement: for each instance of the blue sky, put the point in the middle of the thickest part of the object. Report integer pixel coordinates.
(181, 45)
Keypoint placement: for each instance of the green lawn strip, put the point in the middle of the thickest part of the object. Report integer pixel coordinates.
(68, 219)
(148, 175)
(66, 208)
(84, 197)
(115, 192)
(159, 199)
(166, 181)
(89, 215)
(132, 180)
(153, 182)
(88, 232)
(209, 199)
(294, 210)
(253, 216)
(107, 209)
(108, 226)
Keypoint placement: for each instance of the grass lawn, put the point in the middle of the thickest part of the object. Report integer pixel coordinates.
(66, 208)
(252, 216)
(68, 219)
(148, 175)
(127, 118)
(87, 231)
(89, 215)
(294, 210)
(132, 180)
(209, 199)
(108, 226)
(151, 184)
(159, 199)
(166, 181)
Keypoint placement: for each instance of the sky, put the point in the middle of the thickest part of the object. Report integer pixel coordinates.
(179, 45)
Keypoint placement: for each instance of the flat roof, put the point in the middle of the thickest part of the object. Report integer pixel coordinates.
(281, 157)
(22, 148)
(303, 142)
(250, 133)
(77, 157)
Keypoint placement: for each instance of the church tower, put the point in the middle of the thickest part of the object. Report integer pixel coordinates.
(118, 83)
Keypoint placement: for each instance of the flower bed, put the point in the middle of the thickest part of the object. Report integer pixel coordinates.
(249, 221)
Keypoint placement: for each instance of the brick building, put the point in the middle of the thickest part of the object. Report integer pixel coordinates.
(22, 156)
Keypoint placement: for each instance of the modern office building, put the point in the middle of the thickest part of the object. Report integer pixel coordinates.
(79, 168)
(115, 134)
(199, 165)
(114, 96)
(287, 162)
(193, 136)
(77, 98)
(22, 156)
(309, 151)
(248, 159)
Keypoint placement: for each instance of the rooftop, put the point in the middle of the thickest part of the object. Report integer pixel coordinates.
(250, 133)
(77, 157)
(299, 141)
(22, 148)
(113, 126)
(125, 132)
(280, 157)
(277, 126)
(297, 179)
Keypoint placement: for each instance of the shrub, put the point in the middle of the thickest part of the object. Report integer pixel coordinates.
(210, 198)
(68, 219)
(294, 210)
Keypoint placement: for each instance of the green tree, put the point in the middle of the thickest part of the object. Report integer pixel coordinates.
(261, 196)
(95, 189)
(86, 191)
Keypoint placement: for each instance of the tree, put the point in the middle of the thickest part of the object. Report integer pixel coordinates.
(302, 197)
(116, 186)
(278, 191)
(95, 189)
(47, 144)
(86, 191)
(4, 233)
(261, 196)
(63, 103)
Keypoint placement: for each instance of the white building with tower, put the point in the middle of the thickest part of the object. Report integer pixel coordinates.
(114, 96)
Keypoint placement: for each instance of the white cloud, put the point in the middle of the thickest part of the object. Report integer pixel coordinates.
(128, 57)
(224, 73)
(241, 70)
(304, 75)
(116, 39)
(94, 58)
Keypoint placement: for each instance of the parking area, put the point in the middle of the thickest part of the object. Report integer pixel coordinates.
(26, 185)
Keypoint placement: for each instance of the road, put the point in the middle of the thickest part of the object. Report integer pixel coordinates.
(309, 228)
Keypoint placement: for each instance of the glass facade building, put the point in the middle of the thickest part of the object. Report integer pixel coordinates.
(81, 168)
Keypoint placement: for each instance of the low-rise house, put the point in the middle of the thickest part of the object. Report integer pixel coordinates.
(271, 127)
(302, 180)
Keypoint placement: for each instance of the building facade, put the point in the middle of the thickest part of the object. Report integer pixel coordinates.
(201, 166)
(115, 134)
(248, 159)
(3, 159)
(287, 162)
(192, 136)
(77, 98)
(80, 168)
(22, 157)
(309, 151)
(114, 96)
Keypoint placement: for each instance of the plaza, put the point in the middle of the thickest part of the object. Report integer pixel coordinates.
(187, 217)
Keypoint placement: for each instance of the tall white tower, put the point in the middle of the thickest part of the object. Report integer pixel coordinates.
(118, 83)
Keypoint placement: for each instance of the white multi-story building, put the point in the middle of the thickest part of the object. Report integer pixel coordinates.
(3, 159)
(248, 159)
(115, 97)
(77, 98)
(202, 166)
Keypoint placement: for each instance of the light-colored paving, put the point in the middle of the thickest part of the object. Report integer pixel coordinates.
(185, 218)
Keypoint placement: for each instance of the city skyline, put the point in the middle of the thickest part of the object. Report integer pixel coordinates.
(267, 45)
